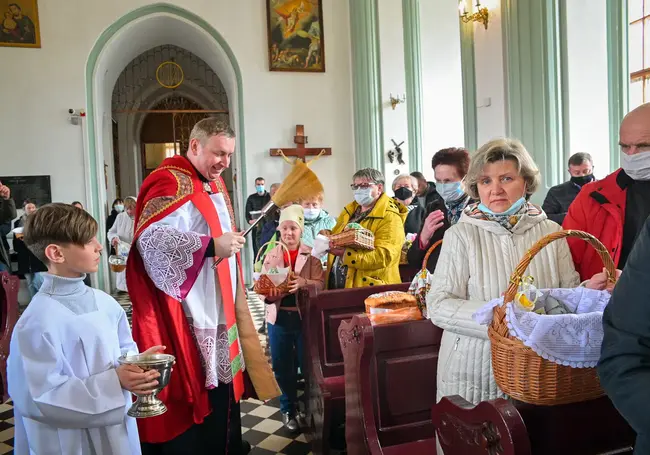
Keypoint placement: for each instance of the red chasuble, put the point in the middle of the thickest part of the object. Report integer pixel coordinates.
(159, 319)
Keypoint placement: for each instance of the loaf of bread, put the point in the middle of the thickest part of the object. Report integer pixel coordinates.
(390, 300)
(395, 316)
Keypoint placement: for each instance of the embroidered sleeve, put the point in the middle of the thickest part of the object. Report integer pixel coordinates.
(172, 259)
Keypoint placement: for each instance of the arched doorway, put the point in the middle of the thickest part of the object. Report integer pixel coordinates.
(131, 35)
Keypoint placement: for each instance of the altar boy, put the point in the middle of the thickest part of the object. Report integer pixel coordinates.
(70, 395)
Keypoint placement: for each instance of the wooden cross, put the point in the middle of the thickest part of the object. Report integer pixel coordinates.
(300, 151)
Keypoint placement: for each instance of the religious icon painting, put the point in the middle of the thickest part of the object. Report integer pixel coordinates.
(295, 31)
(19, 27)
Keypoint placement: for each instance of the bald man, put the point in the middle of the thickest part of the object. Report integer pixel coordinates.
(615, 208)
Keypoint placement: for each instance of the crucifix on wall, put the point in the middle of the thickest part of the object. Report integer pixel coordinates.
(300, 151)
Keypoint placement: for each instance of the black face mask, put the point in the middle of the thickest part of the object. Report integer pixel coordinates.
(583, 179)
(403, 193)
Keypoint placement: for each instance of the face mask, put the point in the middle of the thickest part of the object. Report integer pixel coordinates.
(637, 166)
(311, 214)
(583, 179)
(449, 191)
(119, 208)
(514, 208)
(260, 188)
(403, 193)
(363, 196)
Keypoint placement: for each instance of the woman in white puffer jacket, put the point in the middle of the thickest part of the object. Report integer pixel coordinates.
(479, 254)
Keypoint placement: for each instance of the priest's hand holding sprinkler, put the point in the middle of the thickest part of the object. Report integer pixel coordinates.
(300, 183)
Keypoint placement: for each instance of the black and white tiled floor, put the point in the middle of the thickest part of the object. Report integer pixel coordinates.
(261, 422)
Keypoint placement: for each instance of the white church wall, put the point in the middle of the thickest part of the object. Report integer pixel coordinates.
(393, 82)
(490, 76)
(442, 97)
(41, 84)
(442, 83)
(587, 76)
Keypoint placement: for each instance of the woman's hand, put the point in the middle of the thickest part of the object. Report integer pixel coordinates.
(337, 251)
(297, 283)
(434, 221)
(115, 242)
(325, 232)
(600, 281)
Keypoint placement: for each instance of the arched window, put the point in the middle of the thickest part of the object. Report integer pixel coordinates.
(639, 51)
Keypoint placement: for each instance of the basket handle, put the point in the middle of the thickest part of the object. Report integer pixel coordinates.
(517, 275)
(431, 249)
(257, 256)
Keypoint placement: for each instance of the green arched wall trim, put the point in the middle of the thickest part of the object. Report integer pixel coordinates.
(113, 29)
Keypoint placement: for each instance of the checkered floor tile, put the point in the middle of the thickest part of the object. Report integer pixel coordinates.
(261, 422)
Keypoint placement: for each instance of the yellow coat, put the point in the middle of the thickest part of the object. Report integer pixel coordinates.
(380, 266)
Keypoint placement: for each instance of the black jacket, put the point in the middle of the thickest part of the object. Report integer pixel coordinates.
(415, 255)
(255, 203)
(27, 262)
(7, 214)
(558, 199)
(624, 367)
(414, 219)
(111, 220)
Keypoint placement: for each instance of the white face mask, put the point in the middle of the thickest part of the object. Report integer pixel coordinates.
(119, 208)
(636, 166)
(311, 214)
(363, 196)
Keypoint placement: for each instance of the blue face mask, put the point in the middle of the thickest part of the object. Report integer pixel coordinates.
(260, 189)
(363, 196)
(450, 191)
(514, 208)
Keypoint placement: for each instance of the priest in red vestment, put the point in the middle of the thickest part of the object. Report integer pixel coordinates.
(184, 221)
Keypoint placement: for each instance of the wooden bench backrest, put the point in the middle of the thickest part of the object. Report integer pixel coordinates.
(327, 309)
(396, 369)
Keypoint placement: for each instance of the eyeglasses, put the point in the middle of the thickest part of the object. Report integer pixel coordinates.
(362, 186)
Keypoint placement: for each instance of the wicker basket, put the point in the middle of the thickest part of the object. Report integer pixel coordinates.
(519, 371)
(421, 282)
(356, 239)
(264, 286)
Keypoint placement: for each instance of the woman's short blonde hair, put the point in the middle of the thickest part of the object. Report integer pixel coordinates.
(130, 202)
(399, 178)
(503, 149)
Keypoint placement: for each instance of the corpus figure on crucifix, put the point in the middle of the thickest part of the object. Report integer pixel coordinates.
(300, 151)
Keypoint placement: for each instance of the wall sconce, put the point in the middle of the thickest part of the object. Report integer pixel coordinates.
(395, 101)
(481, 15)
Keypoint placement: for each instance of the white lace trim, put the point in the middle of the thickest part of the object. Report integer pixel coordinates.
(167, 253)
(567, 339)
(215, 354)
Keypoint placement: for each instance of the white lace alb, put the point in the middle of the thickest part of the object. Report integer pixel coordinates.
(167, 253)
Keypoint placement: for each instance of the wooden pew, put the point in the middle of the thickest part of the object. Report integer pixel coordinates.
(390, 386)
(8, 317)
(515, 428)
(322, 313)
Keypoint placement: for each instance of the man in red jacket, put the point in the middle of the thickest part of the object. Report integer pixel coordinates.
(614, 209)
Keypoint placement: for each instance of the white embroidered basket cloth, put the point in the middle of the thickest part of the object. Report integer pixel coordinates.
(568, 339)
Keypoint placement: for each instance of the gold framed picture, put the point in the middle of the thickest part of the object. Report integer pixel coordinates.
(19, 26)
(295, 32)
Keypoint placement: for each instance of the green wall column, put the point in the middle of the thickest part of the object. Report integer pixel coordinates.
(413, 71)
(366, 84)
(469, 82)
(531, 35)
(617, 73)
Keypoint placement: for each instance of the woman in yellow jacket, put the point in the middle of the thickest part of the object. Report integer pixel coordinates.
(381, 214)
